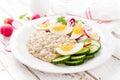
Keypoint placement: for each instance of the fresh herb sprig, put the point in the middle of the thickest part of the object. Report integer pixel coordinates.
(24, 16)
(62, 20)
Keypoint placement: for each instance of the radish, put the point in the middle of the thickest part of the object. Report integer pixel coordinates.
(72, 22)
(8, 21)
(45, 21)
(95, 36)
(87, 42)
(6, 30)
(35, 16)
(86, 33)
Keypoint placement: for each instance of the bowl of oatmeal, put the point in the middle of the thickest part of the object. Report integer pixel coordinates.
(61, 44)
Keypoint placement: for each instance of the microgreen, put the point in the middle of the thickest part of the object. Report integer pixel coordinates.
(22, 16)
(62, 20)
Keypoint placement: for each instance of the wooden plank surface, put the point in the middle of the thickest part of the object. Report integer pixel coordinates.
(14, 68)
(4, 74)
(11, 69)
(17, 69)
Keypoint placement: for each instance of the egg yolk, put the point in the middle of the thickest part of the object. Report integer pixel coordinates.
(43, 25)
(59, 28)
(78, 29)
(67, 47)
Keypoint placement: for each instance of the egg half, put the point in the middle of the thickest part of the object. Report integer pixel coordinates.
(70, 49)
(60, 29)
(42, 26)
(77, 31)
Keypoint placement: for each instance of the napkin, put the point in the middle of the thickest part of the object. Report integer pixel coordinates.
(100, 10)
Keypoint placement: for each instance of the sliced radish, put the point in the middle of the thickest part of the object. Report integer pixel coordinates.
(72, 22)
(86, 33)
(87, 42)
(45, 21)
(82, 38)
(95, 36)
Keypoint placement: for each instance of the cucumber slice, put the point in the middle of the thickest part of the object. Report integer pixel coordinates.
(87, 42)
(90, 56)
(61, 60)
(74, 63)
(84, 50)
(93, 49)
(82, 57)
(92, 42)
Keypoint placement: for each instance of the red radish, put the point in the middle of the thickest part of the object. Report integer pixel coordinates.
(95, 36)
(72, 22)
(87, 44)
(45, 21)
(35, 16)
(8, 21)
(86, 33)
(6, 30)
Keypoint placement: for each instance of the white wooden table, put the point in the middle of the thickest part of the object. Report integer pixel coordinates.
(11, 69)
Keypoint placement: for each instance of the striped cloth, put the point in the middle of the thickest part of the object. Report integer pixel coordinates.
(103, 11)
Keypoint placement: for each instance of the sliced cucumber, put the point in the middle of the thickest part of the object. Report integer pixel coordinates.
(84, 50)
(87, 41)
(74, 63)
(90, 56)
(61, 60)
(81, 57)
(92, 42)
(93, 49)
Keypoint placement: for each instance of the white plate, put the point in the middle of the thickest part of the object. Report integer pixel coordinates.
(18, 47)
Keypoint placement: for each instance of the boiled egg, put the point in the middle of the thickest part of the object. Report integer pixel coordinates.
(69, 49)
(42, 26)
(77, 31)
(60, 29)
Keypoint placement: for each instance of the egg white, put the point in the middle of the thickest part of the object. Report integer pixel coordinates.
(76, 49)
(75, 36)
(67, 30)
(41, 28)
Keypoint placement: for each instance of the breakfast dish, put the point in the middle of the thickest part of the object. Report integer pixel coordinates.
(64, 40)
(101, 37)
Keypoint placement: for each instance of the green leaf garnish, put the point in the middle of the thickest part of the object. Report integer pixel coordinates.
(62, 20)
(28, 18)
(22, 16)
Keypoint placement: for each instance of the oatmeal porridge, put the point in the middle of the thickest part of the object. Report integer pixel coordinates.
(42, 44)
